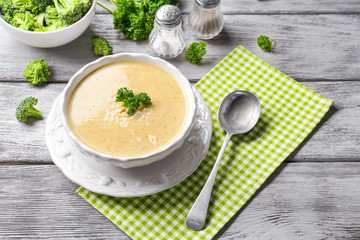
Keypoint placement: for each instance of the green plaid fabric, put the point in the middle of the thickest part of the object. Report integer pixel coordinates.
(290, 111)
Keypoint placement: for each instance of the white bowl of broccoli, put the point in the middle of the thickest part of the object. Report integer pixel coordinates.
(46, 23)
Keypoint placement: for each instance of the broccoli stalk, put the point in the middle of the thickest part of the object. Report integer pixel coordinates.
(106, 7)
(40, 19)
(26, 109)
(135, 18)
(101, 46)
(37, 72)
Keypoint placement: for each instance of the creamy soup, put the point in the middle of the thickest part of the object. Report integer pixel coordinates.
(104, 125)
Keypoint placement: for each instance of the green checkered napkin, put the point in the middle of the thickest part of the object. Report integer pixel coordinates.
(290, 111)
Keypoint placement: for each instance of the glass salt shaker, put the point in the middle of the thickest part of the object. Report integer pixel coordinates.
(206, 20)
(167, 38)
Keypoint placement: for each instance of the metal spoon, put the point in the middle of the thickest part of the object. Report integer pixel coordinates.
(238, 113)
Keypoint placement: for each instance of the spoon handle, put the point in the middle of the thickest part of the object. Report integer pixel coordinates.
(197, 215)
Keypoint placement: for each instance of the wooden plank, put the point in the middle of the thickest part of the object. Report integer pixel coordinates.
(285, 6)
(301, 201)
(21, 141)
(275, 6)
(305, 201)
(335, 135)
(308, 47)
(338, 137)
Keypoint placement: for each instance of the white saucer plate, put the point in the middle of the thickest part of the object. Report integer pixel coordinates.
(104, 178)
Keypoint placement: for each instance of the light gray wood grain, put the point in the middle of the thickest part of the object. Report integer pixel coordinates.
(337, 137)
(275, 6)
(314, 195)
(308, 47)
(305, 201)
(21, 141)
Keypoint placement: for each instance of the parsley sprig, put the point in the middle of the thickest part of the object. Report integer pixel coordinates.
(195, 52)
(131, 101)
(265, 43)
(135, 18)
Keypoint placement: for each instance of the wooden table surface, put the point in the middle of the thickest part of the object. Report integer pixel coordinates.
(315, 193)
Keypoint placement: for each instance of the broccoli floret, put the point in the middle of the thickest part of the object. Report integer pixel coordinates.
(53, 27)
(7, 18)
(135, 18)
(43, 4)
(101, 47)
(26, 109)
(195, 52)
(50, 20)
(26, 5)
(24, 20)
(7, 8)
(51, 15)
(43, 15)
(35, 6)
(37, 72)
(23, 14)
(86, 6)
(72, 10)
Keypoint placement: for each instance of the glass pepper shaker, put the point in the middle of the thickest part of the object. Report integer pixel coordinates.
(206, 20)
(167, 38)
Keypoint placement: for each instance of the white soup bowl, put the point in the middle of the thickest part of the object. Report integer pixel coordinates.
(127, 162)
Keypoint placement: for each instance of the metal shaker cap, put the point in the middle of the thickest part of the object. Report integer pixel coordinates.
(168, 16)
(208, 3)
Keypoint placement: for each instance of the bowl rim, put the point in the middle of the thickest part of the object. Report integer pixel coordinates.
(140, 57)
(93, 5)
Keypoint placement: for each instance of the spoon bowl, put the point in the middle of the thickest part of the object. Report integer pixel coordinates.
(238, 113)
